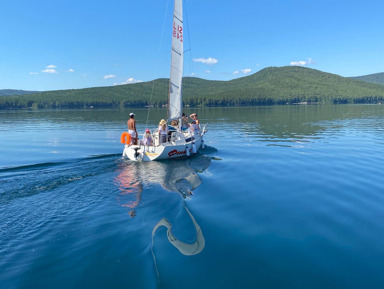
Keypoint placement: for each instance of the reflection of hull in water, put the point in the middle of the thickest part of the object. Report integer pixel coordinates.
(175, 176)
(181, 145)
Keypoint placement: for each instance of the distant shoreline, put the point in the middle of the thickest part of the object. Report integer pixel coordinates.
(269, 86)
(186, 107)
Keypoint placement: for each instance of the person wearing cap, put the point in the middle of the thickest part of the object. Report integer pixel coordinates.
(148, 141)
(132, 128)
(163, 131)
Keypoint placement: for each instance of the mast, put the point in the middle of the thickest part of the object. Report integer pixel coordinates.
(175, 99)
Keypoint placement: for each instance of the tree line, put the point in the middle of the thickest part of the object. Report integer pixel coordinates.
(270, 86)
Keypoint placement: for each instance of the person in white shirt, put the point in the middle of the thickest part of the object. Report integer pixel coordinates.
(163, 131)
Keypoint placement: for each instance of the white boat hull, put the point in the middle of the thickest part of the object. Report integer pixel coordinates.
(170, 150)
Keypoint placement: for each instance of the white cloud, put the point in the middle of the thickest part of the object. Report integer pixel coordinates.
(246, 70)
(128, 81)
(33, 73)
(51, 66)
(209, 60)
(71, 70)
(109, 76)
(132, 80)
(298, 63)
(243, 71)
(311, 61)
(208, 71)
(302, 62)
(49, 70)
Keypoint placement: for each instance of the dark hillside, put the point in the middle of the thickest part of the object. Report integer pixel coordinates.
(377, 78)
(273, 85)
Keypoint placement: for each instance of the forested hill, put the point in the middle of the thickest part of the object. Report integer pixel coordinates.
(15, 92)
(273, 85)
(372, 78)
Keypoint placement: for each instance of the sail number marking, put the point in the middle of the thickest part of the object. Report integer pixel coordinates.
(178, 32)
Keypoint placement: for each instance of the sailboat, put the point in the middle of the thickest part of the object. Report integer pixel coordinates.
(179, 143)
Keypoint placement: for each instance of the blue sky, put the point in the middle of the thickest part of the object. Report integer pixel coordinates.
(64, 44)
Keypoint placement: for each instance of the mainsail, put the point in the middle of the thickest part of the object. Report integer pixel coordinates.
(175, 100)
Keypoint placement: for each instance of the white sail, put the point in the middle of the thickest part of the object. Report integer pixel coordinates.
(175, 101)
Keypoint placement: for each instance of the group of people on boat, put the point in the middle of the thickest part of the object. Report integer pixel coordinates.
(163, 129)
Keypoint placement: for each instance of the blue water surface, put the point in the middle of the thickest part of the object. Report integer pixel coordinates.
(281, 197)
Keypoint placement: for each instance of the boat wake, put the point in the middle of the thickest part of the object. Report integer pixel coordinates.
(28, 180)
(54, 164)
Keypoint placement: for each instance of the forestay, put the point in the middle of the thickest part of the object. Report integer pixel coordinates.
(175, 100)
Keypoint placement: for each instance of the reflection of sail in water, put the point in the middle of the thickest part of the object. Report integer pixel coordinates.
(184, 248)
(182, 177)
(176, 176)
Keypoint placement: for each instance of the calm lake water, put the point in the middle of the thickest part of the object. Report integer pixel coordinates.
(282, 197)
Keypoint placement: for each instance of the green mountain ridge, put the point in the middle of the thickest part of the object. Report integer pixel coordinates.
(4, 92)
(377, 78)
(272, 85)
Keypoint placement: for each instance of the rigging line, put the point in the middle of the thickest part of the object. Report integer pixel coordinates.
(153, 82)
(189, 36)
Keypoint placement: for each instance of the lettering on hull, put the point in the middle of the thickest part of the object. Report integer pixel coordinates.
(178, 153)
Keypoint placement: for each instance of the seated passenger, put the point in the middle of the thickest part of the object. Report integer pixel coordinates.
(174, 123)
